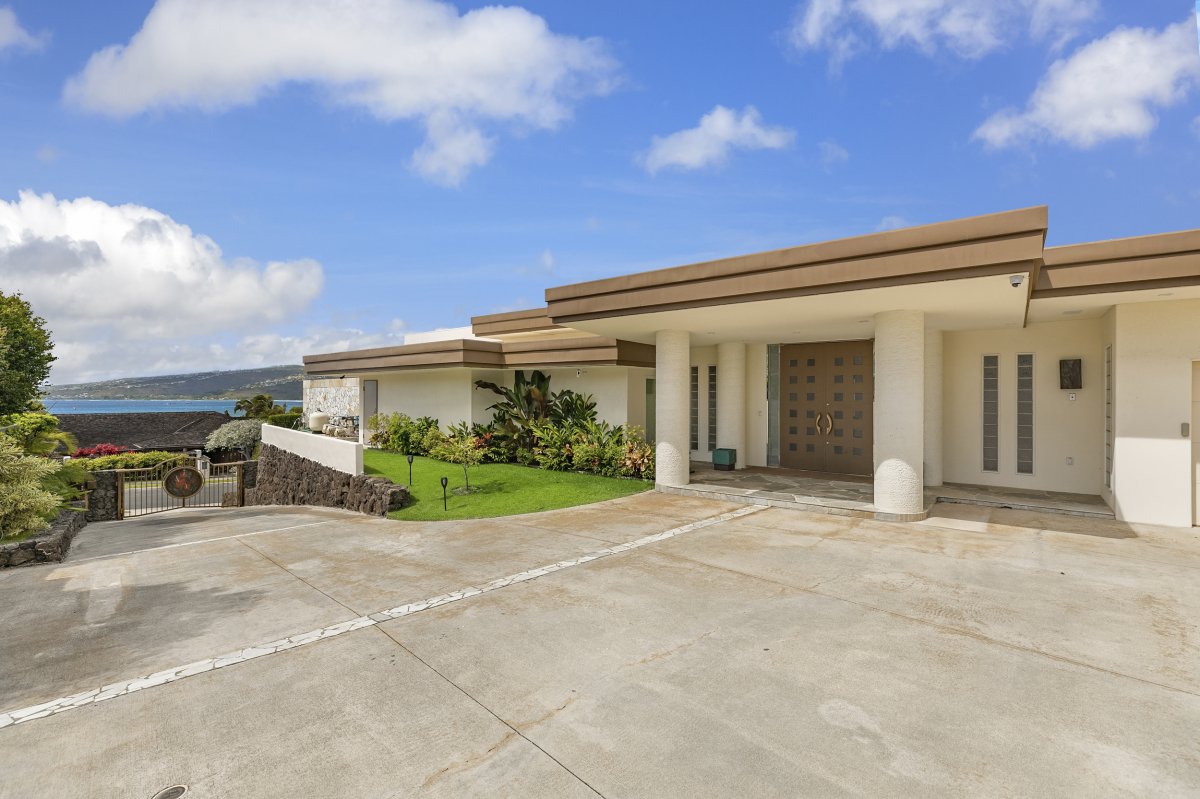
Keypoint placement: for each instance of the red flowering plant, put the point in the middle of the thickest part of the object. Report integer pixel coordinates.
(100, 450)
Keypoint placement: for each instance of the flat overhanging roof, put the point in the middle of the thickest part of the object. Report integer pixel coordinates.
(473, 353)
(1003, 243)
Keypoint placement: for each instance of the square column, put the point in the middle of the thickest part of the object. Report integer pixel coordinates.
(731, 399)
(672, 408)
(900, 412)
(933, 408)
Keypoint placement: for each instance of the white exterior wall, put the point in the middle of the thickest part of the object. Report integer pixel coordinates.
(1062, 429)
(899, 411)
(345, 456)
(672, 351)
(756, 405)
(934, 454)
(1156, 344)
(731, 399)
(444, 394)
(636, 406)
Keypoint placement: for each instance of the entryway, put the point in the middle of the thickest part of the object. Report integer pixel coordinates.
(826, 397)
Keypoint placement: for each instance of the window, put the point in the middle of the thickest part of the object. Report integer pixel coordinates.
(695, 420)
(712, 407)
(991, 413)
(1025, 414)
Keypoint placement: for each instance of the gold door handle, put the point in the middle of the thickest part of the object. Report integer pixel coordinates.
(829, 420)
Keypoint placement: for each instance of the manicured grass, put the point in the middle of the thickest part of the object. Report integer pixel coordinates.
(504, 489)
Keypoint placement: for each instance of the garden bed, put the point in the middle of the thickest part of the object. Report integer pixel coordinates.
(504, 489)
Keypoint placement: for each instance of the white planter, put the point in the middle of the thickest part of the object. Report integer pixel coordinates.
(317, 421)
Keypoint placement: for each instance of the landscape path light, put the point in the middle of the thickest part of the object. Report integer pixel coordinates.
(444, 481)
(410, 457)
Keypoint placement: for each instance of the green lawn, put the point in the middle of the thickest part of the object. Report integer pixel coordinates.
(505, 488)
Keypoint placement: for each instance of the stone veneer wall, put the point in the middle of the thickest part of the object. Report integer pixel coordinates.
(102, 499)
(48, 547)
(334, 396)
(285, 478)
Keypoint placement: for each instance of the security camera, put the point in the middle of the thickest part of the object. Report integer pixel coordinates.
(1016, 280)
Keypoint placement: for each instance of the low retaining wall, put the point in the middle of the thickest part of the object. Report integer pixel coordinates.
(285, 478)
(48, 547)
(344, 456)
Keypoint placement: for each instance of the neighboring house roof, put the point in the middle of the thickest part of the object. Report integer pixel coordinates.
(579, 351)
(175, 430)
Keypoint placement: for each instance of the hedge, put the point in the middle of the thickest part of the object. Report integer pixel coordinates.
(128, 460)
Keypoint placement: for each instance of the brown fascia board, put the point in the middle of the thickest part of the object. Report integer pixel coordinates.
(499, 324)
(992, 244)
(591, 350)
(1165, 260)
(429, 355)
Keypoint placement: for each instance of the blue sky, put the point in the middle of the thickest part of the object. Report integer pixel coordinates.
(247, 185)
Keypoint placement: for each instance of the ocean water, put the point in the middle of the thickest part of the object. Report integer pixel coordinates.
(61, 407)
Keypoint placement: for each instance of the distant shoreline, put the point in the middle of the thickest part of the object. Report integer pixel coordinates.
(63, 406)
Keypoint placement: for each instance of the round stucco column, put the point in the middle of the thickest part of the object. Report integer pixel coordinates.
(731, 399)
(672, 361)
(933, 408)
(899, 411)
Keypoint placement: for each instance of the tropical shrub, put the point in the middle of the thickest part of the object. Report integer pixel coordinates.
(127, 460)
(399, 432)
(554, 446)
(100, 450)
(530, 402)
(36, 432)
(599, 448)
(26, 506)
(242, 435)
(461, 447)
(639, 455)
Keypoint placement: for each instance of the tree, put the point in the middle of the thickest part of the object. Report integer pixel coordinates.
(240, 434)
(25, 354)
(259, 406)
(462, 449)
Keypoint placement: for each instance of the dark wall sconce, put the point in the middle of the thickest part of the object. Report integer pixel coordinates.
(1070, 374)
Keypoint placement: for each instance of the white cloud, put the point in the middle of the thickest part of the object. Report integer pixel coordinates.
(47, 154)
(720, 131)
(14, 37)
(128, 290)
(832, 154)
(967, 28)
(891, 223)
(399, 59)
(1108, 89)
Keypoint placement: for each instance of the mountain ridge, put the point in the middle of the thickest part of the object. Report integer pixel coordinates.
(281, 382)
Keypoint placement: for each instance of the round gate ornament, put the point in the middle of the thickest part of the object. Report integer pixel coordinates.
(183, 482)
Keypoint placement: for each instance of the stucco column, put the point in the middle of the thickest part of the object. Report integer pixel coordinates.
(933, 408)
(672, 361)
(899, 411)
(731, 398)
(755, 394)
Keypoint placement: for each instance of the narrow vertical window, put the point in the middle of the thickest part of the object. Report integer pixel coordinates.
(991, 413)
(712, 407)
(695, 422)
(1025, 414)
(1108, 416)
(773, 405)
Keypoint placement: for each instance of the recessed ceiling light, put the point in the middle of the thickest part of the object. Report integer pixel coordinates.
(864, 321)
(1075, 312)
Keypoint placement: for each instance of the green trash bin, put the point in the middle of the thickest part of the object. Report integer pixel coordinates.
(724, 459)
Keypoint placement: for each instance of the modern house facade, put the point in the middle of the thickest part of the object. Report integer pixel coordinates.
(963, 352)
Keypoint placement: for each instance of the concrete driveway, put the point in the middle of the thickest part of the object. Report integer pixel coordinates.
(650, 646)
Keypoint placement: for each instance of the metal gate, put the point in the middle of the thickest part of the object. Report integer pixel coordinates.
(144, 491)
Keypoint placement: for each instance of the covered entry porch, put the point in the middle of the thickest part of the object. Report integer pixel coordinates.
(735, 337)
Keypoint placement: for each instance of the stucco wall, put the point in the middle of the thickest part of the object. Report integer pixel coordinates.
(1156, 344)
(343, 456)
(1062, 428)
(444, 394)
(609, 386)
(756, 406)
(636, 396)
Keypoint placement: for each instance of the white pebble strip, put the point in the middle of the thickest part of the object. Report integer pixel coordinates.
(116, 689)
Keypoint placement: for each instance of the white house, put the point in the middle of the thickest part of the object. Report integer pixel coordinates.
(963, 351)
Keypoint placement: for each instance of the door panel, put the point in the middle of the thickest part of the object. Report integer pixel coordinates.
(826, 397)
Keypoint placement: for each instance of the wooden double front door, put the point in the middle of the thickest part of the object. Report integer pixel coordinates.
(825, 403)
